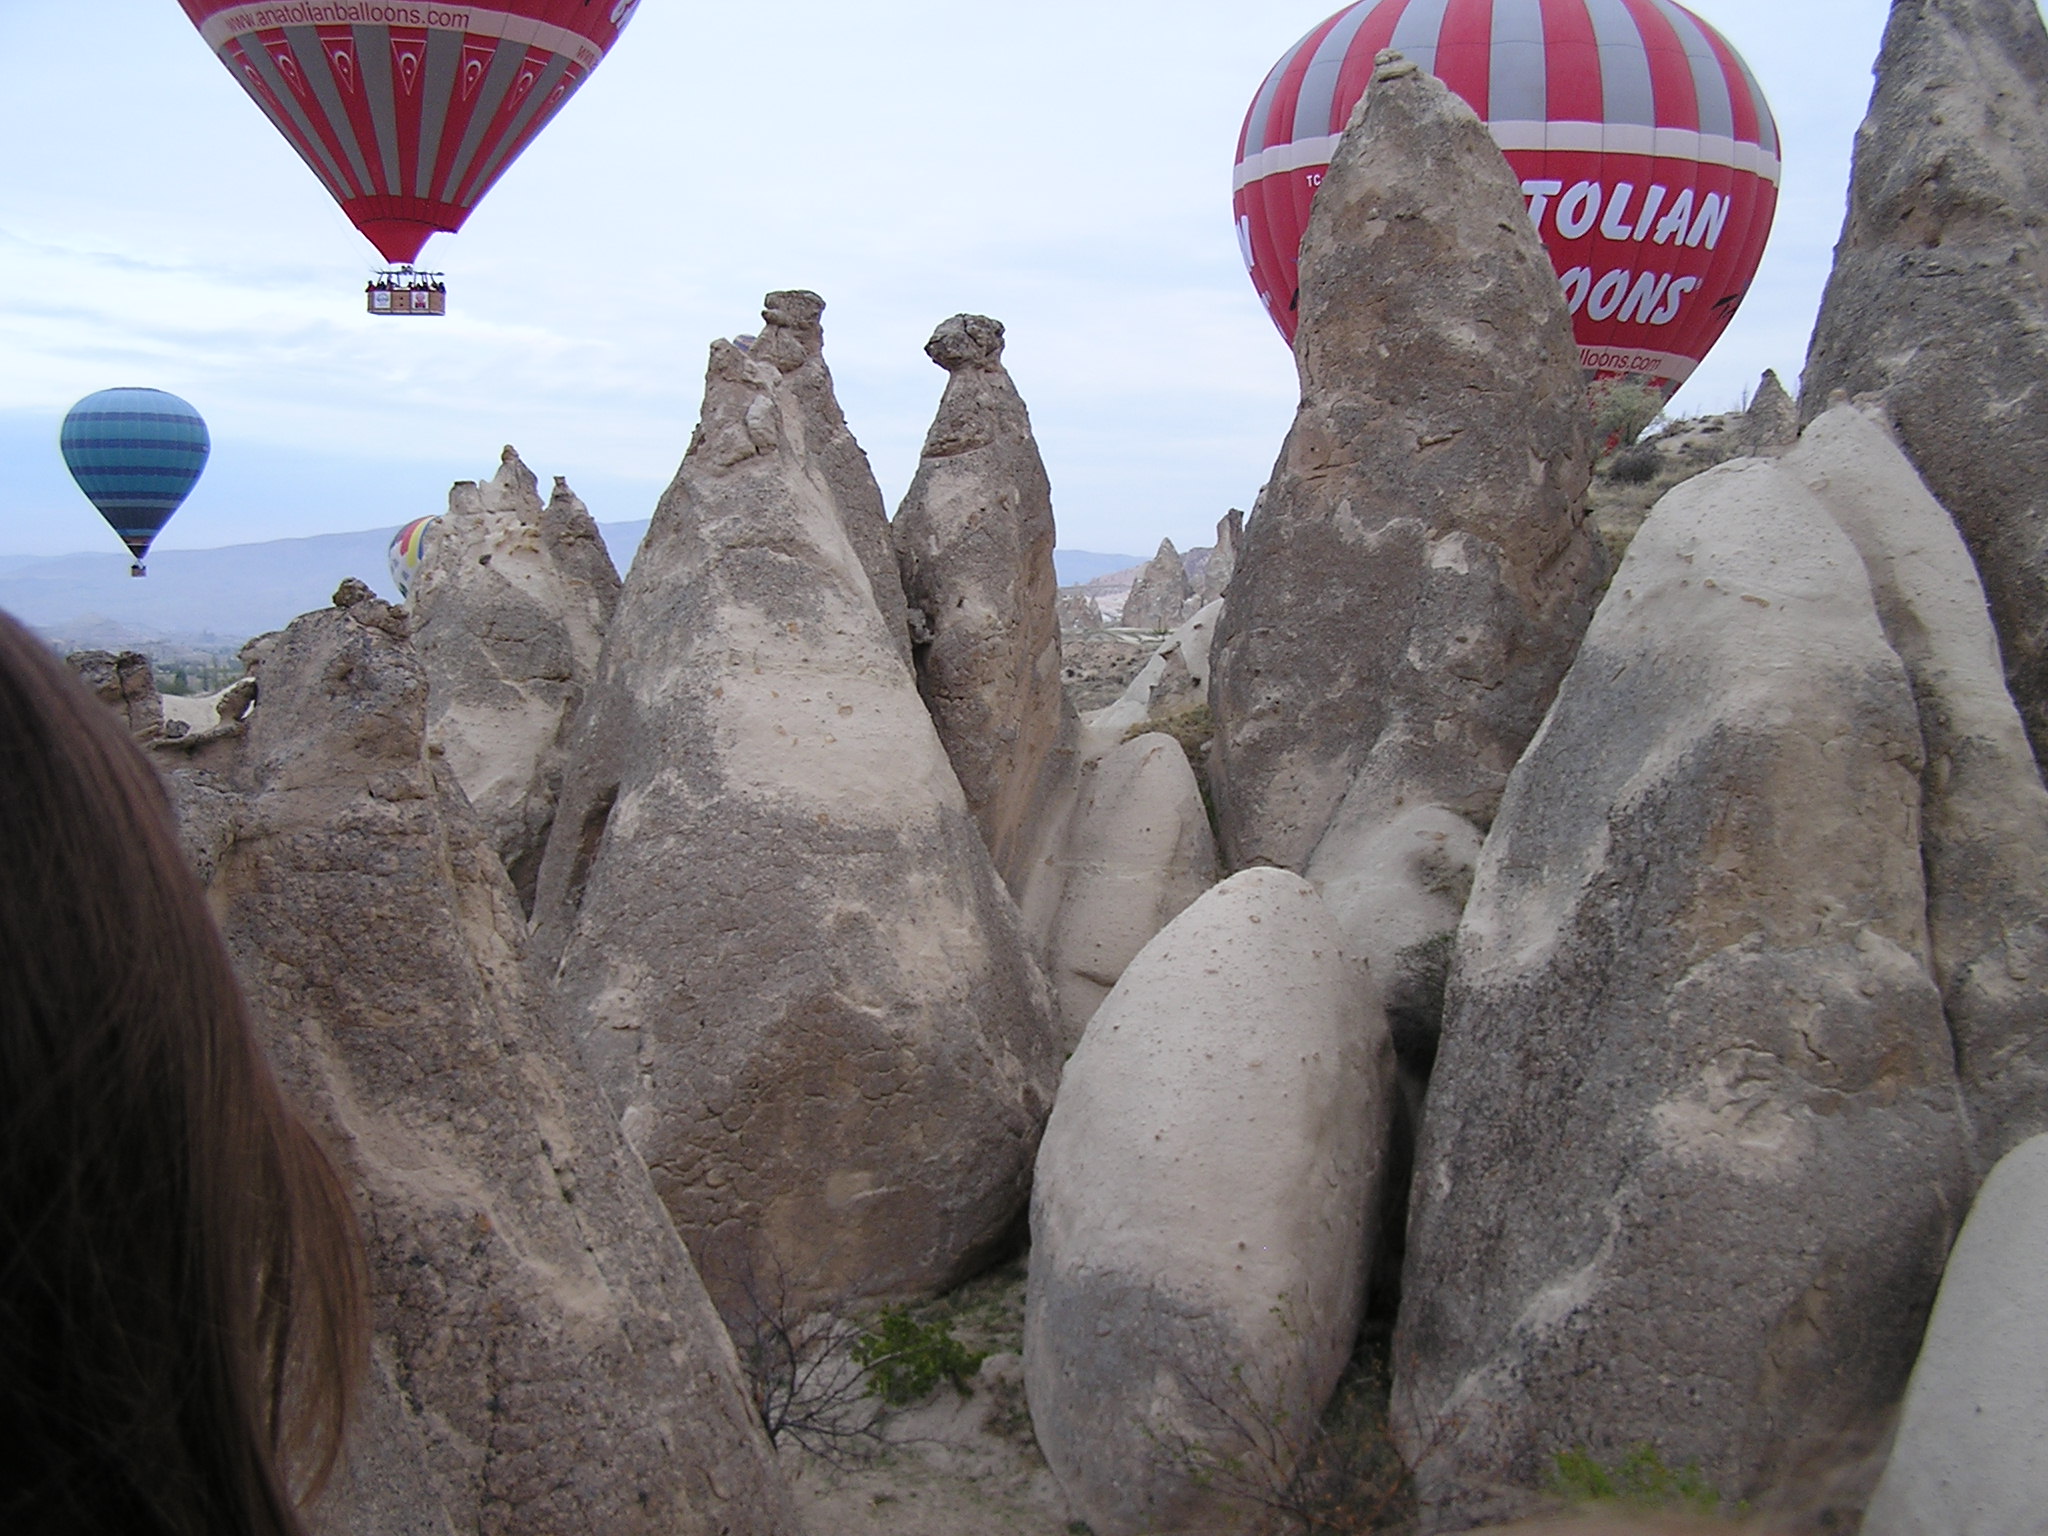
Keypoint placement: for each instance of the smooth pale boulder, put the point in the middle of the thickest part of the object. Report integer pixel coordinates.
(1159, 597)
(545, 1359)
(792, 339)
(511, 610)
(1694, 1148)
(1970, 1458)
(1199, 1223)
(1417, 576)
(1984, 818)
(974, 541)
(1939, 297)
(769, 920)
(1174, 678)
(1138, 853)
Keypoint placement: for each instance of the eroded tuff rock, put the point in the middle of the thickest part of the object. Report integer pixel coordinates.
(1984, 831)
(770, 919)
(1969, 1455)
(1419, 572)
(792, 339)
(1772, 420)
(511, 613)
(1138, 853)
(1199, 1243)
(545, 1359)
(1939, 297)
(1175, 677)
(1694, 1149)
(974, 540)
(126, 684)
(1222, 558)
(1159, 596)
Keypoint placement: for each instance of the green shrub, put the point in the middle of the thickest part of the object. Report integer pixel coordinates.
(1623, 410)
(1638, 465)
(1640, 1479)
(905, 1360)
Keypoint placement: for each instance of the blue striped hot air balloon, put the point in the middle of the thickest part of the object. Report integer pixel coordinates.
(136, 453)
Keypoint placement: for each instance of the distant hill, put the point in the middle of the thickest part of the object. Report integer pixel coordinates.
(208, 601)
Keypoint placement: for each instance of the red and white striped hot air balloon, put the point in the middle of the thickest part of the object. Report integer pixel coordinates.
(409, 112)
(1646, 151)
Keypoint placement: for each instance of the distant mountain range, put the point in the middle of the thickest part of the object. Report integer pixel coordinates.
(208, 601)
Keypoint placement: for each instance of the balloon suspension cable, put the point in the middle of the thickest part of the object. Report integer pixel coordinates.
(406, 290)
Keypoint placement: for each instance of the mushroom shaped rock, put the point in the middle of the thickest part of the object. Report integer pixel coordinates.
(1939, 297)
(1418, 574)
(1969, 1455)
(509, 618)
(1694, 1149)
(1138, 853)
(1984, 818)
(545, 1360)
(974, 541)
(1199, 1223)
(768, 916)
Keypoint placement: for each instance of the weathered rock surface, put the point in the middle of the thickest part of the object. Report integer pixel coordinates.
(126, 684)
(1175, 677)
(1159, 597)
(1420, 571)
(770, 919)
(974, 541)
(1694, 1148)
(511, 610)
(546, 1360)
(1138, 853)
(1222, 558)
(1078, 612)
(1969, 1458)
(1772, 420)
(1939, 297)
(1199, 1221)
(1984, 829)
(792, 339)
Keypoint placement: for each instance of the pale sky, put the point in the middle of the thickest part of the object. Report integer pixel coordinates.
(1063, 165)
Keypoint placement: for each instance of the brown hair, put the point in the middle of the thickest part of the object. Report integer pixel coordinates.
(181, 1284)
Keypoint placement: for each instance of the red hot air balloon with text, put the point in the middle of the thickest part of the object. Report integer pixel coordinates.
(1646, 152)
(409, 112)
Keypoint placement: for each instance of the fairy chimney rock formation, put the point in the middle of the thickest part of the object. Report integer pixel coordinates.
(1222, 559)
(545, 1359)
(1160, 595)
(1939, 297)
(767, 913)
(1198, 1226)
(1984, 831)
(792, 339)
(1694, 1147)
(1772, 420)
(1419, 571)
(510, 617)
(974, 541)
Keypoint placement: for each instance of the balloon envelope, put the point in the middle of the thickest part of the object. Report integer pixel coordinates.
(407, 553)
(136, 453)
(1646, 152)
(409, 113)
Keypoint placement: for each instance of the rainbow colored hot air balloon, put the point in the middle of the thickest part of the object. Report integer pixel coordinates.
(407, 553)
(408, 113)
(1646, 151)
(136, 453)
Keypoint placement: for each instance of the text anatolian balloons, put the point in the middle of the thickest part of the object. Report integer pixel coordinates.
(1646, 151)
(408, 113)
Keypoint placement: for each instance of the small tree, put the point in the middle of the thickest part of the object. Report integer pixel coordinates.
(1623, 410)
